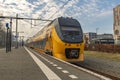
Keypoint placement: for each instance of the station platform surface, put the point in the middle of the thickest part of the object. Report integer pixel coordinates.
(26, 64)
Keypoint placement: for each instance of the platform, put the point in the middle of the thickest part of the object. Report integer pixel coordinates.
(26, 64)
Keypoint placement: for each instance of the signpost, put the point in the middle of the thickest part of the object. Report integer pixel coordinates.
(9, 36)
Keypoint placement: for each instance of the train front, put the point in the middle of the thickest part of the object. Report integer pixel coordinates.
(68, 41)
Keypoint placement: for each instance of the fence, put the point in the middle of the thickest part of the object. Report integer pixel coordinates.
(103, 48)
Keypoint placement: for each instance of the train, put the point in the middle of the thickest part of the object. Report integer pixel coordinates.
(62, 38)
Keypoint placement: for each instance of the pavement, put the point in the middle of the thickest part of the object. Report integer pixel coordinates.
(26, 64)
(18, 65)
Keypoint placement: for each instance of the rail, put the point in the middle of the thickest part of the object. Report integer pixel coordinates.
(96, 71)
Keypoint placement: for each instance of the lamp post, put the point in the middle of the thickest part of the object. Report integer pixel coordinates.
(97, 32)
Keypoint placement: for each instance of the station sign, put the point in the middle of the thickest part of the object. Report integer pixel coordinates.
(16, 36)
(7, 25)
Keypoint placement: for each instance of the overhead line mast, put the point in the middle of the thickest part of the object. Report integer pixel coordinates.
(9, 41)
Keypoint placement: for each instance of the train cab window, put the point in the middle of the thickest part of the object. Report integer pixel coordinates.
(70, 30)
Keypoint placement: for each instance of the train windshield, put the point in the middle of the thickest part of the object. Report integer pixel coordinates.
(70, 30)
(71, 33)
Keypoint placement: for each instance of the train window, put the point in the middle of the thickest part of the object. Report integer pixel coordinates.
(70, 31)
(70, 28)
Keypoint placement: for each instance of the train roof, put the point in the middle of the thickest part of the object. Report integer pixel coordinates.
(68, 21)
(62, 21)
(65, 21)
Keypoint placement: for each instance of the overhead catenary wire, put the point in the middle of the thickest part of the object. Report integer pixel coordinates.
(58, 10)
(8, 17)
(39, 18)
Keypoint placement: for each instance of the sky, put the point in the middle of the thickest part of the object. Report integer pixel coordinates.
(92, 14)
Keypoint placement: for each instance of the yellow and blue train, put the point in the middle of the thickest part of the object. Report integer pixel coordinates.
(62, 38)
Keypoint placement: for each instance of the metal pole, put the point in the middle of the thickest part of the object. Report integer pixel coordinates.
(22, 42)
(16, 31)
(7, 41)
(97, 32)
(10, 33)
(31, 23)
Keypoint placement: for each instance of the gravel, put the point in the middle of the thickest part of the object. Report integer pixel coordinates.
(103, 65)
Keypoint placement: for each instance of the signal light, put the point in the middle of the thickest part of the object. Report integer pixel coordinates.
(69, 45)
(77, 44)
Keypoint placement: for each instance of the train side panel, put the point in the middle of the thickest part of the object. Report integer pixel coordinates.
(49, 44)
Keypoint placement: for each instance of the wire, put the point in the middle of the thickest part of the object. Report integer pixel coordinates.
(58, 10)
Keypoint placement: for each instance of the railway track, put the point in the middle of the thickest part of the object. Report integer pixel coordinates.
(92, 70)
(96, 71)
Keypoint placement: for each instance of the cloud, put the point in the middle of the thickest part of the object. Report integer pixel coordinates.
(105, 13)
(86, 11)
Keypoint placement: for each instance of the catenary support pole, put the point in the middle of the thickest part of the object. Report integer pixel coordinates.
(16, 31)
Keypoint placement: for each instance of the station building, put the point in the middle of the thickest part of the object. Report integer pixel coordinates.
(93, 38)
(88, 37)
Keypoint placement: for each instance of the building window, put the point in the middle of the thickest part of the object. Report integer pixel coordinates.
(116, 32)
